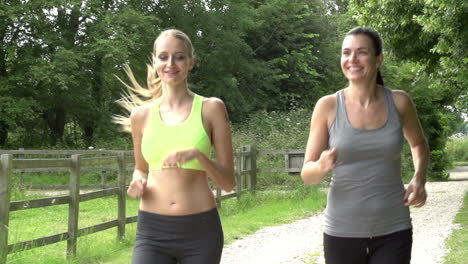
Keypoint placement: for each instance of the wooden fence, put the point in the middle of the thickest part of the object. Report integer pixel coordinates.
(245, 171)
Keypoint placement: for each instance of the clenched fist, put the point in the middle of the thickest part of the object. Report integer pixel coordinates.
(136, 188)
(327, 160)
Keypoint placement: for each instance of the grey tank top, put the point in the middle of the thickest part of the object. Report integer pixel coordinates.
(366, 191)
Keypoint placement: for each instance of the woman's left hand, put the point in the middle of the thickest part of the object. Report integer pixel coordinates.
(177, 158)
(415, 194)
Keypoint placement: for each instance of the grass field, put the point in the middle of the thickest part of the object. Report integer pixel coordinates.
(239, 217)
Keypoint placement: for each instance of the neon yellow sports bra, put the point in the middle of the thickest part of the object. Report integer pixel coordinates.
(160, 139)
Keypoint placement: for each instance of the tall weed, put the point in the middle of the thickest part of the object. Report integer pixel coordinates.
(457, 148)
(274, 131)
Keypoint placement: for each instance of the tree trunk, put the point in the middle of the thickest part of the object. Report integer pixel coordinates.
(56, 122)
(3, 133)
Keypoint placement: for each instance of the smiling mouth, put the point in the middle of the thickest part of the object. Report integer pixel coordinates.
(171, 72)
(354, 69)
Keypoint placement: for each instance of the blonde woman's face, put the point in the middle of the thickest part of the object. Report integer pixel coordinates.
(172, 61)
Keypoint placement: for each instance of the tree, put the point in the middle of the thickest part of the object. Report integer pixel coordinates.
(59, 59)
(65, 55)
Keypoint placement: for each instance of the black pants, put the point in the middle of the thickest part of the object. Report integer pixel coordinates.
(394, 248)
(188, 239)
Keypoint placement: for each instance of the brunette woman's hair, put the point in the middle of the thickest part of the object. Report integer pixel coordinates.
(376, 41)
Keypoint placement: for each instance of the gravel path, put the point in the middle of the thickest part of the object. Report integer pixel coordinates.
(301, 241)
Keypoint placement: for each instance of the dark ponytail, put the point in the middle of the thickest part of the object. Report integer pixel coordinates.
(376, 41)
(379, 78)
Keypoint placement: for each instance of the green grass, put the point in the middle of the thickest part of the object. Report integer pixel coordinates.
(62, 178)
(457, 242)
(39, 222)
(239, 217)
(312, 258)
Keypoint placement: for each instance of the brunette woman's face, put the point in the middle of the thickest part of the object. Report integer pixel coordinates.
(171, 60)
(358, 59)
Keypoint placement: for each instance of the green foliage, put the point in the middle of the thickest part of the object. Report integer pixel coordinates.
(463, 129)
(69, 54)
(255, 55)
(457, 149)
(274, 131)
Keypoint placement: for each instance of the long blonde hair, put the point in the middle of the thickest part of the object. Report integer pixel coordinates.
(132, 97)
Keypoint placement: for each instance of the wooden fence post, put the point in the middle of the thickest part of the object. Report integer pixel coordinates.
(219, 193)
(238, 171)
(246, 166)
(73, 208)
(121, 196)
(5, 192)
(103, 175)
(253, 167)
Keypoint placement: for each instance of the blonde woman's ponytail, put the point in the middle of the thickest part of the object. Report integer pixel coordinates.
(132, 97)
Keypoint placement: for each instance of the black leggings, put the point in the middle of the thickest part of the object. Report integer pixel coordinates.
(163, 239)
(394, 248)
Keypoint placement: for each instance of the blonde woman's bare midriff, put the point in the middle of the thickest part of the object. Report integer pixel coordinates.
(177, 191)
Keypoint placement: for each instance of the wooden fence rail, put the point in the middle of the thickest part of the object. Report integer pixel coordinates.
(79, 162)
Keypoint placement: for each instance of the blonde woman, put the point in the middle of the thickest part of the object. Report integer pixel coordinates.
(174, 133)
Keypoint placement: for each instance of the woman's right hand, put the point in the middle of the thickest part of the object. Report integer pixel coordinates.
(136, 188)
(327, 160)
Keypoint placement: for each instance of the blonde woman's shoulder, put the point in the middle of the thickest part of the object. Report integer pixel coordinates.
(214, 109)
(213, 104)
(140, 111)
(139, 115)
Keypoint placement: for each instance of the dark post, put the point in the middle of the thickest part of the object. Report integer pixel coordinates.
(73, 208)
(246, 166)
(219, 195)
(253, 167)
(238, 172)
(121, 196)
(5, 191)
(103, 175)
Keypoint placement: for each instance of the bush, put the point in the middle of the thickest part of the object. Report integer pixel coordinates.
(274, 131)
(457, 148)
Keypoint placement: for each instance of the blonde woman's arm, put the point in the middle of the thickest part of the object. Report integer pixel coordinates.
(220, 171)
(140, 173)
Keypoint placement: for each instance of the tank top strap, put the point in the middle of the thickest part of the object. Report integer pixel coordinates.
(339, 121)
(195, 114)
(340, 104)
(155, 115)
(197, 107)
(393, 115)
